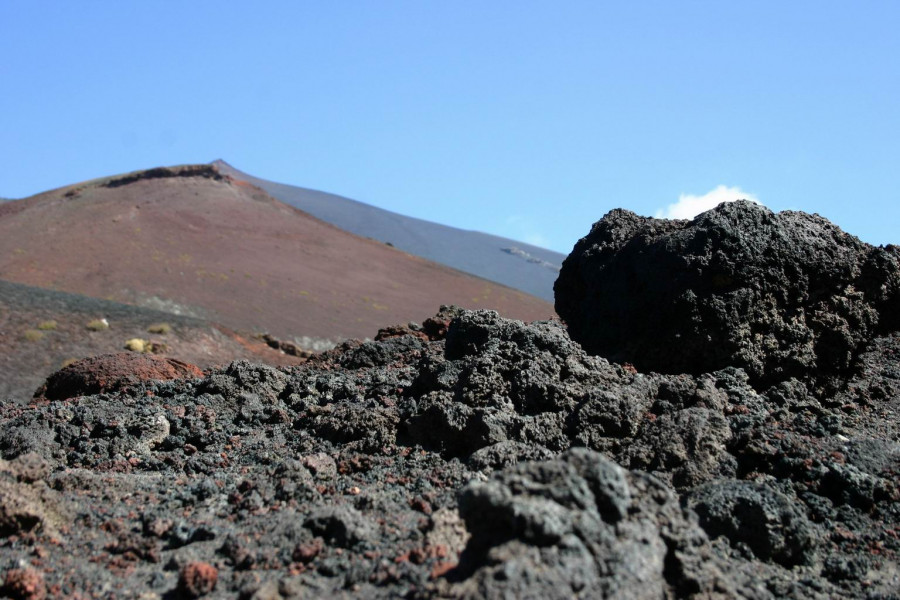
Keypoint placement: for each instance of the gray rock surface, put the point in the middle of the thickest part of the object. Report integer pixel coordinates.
(581, 525)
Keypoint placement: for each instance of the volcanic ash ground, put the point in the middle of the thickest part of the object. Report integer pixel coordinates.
(743, 444)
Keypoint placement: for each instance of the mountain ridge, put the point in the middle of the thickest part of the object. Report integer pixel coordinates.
(194, 241)
(486, 255)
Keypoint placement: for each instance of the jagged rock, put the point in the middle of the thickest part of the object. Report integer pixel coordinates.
(432, 329)
(285, 346)
(395, 331)
(341, 526)
(27, 503)
(779, 295)
(580, 526)
(772, 525)
(24, 584)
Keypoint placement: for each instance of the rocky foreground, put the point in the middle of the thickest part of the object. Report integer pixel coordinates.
(481, 457)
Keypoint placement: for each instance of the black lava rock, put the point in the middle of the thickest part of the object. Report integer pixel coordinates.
(779, 295)
(772, 525)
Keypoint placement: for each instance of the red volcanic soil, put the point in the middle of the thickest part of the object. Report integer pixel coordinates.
(113, 372)
(192, 241)
(42, 330)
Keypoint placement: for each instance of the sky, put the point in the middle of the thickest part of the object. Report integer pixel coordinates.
(525, 119)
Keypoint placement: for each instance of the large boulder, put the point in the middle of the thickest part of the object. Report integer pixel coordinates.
(581, 526)
(112, 373)
(779, 294)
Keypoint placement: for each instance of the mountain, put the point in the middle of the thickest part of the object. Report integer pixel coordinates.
(192, 240)
(515, 264)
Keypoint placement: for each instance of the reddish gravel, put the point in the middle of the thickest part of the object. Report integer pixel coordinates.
(25, 584)
(197, 579)
(113, 372)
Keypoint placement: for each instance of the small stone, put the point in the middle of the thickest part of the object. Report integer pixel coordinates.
(305, 553)
(421, 505)
(25, 584)
(197, 579)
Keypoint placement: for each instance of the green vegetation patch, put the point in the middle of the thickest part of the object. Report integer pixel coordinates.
(98, 325)
(33, 335)
(160, 328)
(136, 345)
(47, 325)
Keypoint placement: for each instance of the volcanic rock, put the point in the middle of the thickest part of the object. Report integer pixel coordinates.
(780, 295)
(758, 516)
(27, 504)
(432, 329)
(197, 579)
(24, 584)
(111, 372)
(498, 459)
(453, 468)
(580, 525)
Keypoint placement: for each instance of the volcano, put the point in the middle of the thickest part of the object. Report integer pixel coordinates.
(194, 241)
(519, 265)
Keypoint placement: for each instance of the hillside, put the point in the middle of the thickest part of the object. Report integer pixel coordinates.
(40, 330)
(512, 263)
(192, 241)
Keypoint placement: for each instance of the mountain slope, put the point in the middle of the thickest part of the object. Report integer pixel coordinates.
(42, 329)
(516, 264)
(193, 241)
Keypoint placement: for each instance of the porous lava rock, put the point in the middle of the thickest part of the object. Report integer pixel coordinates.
(756, 515)
(197, 579)
(112, 372)
(780, 295)
(580, 525)
(27, 503)
(24, 584)
(432, 329)
(501, 461)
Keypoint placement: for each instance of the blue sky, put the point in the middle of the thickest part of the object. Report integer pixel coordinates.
(525, 119)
